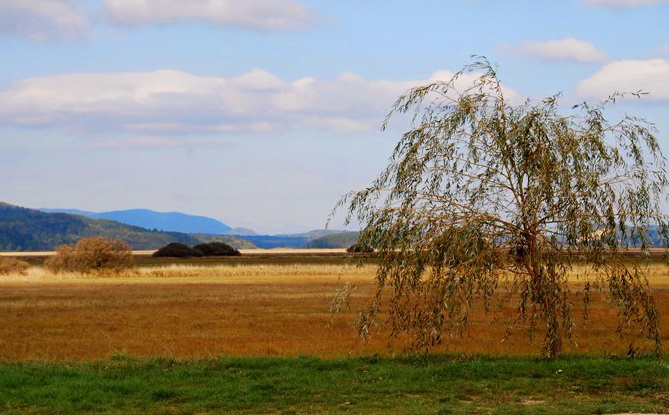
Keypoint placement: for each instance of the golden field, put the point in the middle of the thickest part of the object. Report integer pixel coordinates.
(180, 311)
(254, 251)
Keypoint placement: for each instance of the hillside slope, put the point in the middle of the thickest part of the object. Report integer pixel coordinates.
(23, 229)
(334, 240)
(320, 238)
(162, 221)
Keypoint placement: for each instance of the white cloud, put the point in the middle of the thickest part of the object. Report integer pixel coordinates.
(248, 14)
(651, 76)
(41, 20)
(154, 142)
(568, 49)
(621, 4)
(343, 124)
(170, 102)
(175, 104)
(140, 142)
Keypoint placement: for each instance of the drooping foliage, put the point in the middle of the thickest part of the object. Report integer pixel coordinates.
(485, 193)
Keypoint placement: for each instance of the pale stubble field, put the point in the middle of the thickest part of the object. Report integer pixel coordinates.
(186, 311)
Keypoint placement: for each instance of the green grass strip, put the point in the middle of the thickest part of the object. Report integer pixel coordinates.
(439, 385)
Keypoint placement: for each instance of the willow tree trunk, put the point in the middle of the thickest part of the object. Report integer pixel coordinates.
(552, 311)
(545, 291)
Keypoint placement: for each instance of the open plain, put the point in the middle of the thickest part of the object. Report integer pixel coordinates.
(262, 306)
(255, 335)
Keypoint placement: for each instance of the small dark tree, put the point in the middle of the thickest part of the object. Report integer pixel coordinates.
(358, 248)
(482, 191)
(217, 249)
(177, 250)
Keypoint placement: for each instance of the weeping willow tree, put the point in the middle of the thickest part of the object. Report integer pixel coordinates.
(484, 193)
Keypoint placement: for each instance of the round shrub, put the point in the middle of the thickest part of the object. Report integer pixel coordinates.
(91, 254)
(13, 266)
(217, 249)
(177, 250)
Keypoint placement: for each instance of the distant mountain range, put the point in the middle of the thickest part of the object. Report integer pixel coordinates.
(321, 238)
(23, 229)
(204, 228)
(162, 221)
(334, 240)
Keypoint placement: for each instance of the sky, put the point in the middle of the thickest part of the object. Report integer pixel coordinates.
(263, 113)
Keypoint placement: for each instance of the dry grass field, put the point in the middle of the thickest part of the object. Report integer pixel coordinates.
(255, 251)
(187, 312)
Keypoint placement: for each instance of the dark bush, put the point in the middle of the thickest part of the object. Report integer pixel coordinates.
(358, 248)
(177, 250)
(217, 249)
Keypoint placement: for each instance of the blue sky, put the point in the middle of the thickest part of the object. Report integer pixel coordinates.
(262, 113)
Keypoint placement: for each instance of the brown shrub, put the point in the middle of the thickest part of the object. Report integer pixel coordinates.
(91, 254)
(13, 266)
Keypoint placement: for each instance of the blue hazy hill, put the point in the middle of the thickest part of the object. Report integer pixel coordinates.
(23, 229)
(320, 238)
(200, 226)
(162, 221)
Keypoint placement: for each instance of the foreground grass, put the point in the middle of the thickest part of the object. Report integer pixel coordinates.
(441, 385)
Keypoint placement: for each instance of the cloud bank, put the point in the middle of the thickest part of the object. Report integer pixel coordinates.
(248, 14)
(623, 4)
(651, 76)
(566, 50)
(41, 20)
(170, 102)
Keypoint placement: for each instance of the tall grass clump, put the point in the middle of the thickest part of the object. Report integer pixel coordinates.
(91, 255)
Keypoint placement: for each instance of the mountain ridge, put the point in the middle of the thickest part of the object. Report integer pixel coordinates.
(24, 229)
(162, 221)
